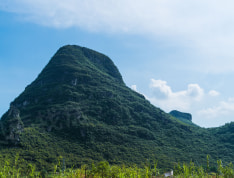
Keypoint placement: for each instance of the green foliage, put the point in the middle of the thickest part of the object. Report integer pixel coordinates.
(103, 169)
(190, 170)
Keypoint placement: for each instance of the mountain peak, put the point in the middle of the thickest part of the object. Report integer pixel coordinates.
(74, 74)
(74, 55)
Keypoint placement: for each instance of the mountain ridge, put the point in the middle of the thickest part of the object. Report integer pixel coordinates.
(79, 107)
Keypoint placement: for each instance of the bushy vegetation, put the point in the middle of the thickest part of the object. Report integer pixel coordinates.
(103, 169)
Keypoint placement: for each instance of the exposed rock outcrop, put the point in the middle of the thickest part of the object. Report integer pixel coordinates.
(182, 115)
(12, 125)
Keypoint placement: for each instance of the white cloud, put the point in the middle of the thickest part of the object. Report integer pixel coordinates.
(213, 93)
(224, 108)
(207, 108)
(163, 96)
(159, 16)
(134, 87)
(204, 26)
(195, 91)
(160, 89)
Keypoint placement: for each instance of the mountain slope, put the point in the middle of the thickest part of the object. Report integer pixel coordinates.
(79, 108)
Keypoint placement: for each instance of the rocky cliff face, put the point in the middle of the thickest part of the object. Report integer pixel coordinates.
(12, 125)
(182, 115)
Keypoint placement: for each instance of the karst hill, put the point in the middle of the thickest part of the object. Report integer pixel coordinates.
(80, 108)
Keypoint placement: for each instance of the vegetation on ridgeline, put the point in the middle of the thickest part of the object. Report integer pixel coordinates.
(80, 108)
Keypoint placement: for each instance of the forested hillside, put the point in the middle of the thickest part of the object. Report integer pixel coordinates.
(79, 108)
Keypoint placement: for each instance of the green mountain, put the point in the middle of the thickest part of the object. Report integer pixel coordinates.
(79, 108)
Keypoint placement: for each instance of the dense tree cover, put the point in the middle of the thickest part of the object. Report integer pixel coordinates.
(79, 108)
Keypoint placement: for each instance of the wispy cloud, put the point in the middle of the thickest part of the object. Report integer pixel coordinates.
(223, 109)
(162, 16)
(204, 26)
(213, 93)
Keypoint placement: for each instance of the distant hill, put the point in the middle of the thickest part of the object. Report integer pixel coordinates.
(183, 117)
(79, 108)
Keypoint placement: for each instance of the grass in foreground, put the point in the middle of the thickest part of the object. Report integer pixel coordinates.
(104, 170)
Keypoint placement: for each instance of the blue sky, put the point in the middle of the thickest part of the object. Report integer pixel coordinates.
(179, 53)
